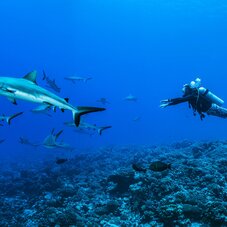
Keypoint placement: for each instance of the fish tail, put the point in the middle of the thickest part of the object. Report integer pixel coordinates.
(81, 110)
(88, 78)
(100, 130)
(8, 119)
(58, 134)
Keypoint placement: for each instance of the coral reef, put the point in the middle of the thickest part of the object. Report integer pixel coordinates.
(100, 188)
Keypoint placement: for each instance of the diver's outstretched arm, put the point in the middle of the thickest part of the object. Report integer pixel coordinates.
(175, 101)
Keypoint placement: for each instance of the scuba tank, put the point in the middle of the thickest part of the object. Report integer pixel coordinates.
(205, 92)
(210, 96)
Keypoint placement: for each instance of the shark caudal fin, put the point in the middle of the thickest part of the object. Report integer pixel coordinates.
(100, 130)
(86, 79)
(81, 110)
(8, 119)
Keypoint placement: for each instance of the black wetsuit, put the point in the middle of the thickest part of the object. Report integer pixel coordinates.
(196, 101)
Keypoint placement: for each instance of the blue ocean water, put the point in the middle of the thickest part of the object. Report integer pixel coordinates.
(147, 48)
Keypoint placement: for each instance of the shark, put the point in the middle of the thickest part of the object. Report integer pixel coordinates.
(51, 142)
(104, 101)
(130, 97)
(92, 127)
(25, 141)
(73, 79)
(136, 118)
(9, 118)
(26, 88)
(51, 83)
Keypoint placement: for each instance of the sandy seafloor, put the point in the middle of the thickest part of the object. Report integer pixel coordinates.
(100, 188)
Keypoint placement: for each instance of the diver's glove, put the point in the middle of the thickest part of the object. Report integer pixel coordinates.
(165, 103)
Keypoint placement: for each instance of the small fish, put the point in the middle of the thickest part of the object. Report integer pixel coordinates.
(2, 140)
(73, 79)
(60, 161)
(130, 97)
(159, 166)
(138, 168)
(103, 101)
(136, 119)
(9, 118)
(51, 83)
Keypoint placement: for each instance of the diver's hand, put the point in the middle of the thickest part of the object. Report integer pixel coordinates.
(164, 103)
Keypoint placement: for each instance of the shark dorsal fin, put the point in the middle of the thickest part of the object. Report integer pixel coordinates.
(31, 76)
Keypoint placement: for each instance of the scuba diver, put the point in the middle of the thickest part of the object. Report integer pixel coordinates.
(200, 99)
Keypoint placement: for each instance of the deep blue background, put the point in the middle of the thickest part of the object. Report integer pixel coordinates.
(147, 48)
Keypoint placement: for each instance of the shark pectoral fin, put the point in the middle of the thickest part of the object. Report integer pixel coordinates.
(31, 76)
(12, 100)
(50, 105)
(81, 110)
(42, 108)
(8, 119)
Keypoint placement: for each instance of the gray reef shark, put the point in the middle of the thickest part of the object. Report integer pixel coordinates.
(87, 126)
(51, 83)
(51, 142)
(73, 79)
(25, 141)
(104, 101)
(9, 118)
(136, 118)
(130, 97)
(26, 88)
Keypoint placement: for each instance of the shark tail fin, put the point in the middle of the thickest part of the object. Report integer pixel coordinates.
(58, 134)
(8, 119)
(86, 79)
(100, 130)
(81, 110)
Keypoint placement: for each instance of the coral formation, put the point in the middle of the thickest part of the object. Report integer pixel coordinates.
(101, 189)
